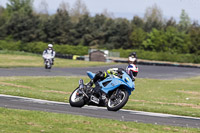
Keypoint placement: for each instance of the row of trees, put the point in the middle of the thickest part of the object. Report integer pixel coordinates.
(75, 26)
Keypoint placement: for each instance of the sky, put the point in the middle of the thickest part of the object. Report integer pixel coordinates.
(129, 8)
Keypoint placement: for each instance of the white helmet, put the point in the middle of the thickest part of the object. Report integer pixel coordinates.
(50, 45)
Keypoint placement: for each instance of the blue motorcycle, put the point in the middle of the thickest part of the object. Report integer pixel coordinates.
(112, 92)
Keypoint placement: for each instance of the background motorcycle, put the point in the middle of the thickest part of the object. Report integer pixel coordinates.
(112, 92)
(47, 61)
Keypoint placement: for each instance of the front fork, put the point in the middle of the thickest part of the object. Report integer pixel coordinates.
(115, 94)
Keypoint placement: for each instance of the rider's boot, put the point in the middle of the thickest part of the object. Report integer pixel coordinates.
(90, 83)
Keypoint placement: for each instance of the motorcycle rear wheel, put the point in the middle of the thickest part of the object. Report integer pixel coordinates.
(75, 100)
(116, 103)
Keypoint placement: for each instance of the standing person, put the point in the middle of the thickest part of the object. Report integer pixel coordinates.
(132, 58)
(132, 69)
(50, 51)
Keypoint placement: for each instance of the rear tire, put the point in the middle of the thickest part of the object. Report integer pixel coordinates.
(76, 101)
(116, 103)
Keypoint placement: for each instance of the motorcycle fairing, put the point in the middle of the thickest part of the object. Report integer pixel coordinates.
(112, 82)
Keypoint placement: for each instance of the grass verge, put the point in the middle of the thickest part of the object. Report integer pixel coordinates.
(180, 96)
(22, 59)
(21, 121)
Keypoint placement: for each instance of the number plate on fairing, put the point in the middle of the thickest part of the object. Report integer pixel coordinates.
(94, 99)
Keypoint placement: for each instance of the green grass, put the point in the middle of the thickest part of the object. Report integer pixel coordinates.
(21, 121)
(22, 59)
(179, 96)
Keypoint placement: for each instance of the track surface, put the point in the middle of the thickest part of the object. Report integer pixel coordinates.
(122, 115)
(156, 72)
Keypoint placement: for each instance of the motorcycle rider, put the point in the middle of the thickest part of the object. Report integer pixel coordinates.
(131, 69)
(50, 51)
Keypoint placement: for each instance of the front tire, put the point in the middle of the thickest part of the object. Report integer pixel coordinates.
(76, 100)
(117, 102)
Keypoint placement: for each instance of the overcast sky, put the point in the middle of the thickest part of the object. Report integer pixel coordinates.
(129, 8)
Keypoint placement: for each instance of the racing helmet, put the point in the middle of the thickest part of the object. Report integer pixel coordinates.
(132, 70)
(50, 46)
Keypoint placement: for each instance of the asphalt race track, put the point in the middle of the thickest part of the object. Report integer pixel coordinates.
(99, 112)
(145, 71)
(156, 72)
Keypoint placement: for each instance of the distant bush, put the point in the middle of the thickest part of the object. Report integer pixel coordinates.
(9, 45)
(39, 47)
(68, 49)
(160, 56)
(33, 47)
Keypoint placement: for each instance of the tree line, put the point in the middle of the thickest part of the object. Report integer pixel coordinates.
(75, 26)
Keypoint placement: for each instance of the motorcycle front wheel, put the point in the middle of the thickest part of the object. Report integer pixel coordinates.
(116, 102)
(76, 100)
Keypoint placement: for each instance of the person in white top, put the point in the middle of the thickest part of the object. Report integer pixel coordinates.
(132, 69)
(50, 51)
